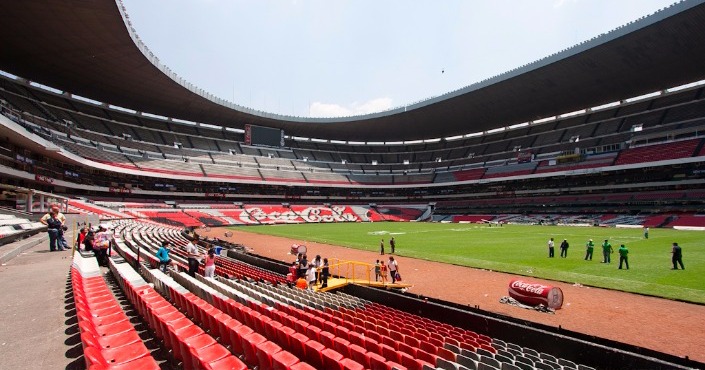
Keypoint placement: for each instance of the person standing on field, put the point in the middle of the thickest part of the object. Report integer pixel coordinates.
(677, 257)
(606, 251)
(550, 248)
(623, 252)
(589, 247)
(564, 248)
(381, 248)
(646, 232)
(392, 244)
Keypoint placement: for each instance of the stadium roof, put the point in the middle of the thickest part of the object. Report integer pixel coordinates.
(88, 48)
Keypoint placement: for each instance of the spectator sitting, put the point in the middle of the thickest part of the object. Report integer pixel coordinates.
(89, 240)
(163, 255)
(301, 283)
(81, 237)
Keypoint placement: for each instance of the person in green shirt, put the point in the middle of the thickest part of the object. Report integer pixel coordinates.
(606, 251)
(589, 247)
(623, 252)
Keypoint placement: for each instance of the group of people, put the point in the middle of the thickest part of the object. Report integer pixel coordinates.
(97, 240)
(564, 248)
(381, 269)
(607, 250)
(306, 275)
(193, 257)
(91, 239)
(392, 246)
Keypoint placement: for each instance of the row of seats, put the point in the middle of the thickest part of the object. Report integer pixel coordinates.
(333, 332)
(236, 325)
(659, 152)
(189, 344)
(10, 224)
(108, 338)
(289, 333)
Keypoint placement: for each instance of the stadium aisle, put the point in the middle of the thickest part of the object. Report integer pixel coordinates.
(38, 331)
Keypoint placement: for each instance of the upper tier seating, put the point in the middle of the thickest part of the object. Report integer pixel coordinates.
(658, 152)
(473, 174)
(132, 140)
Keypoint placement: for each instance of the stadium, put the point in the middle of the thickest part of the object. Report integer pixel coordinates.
(603, 140)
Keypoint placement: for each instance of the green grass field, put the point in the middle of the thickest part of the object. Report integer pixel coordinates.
(523, 250)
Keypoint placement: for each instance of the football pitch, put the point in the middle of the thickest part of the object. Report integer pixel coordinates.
(523, 250)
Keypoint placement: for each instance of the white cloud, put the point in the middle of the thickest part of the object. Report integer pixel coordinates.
(560, 3)
(319, 109)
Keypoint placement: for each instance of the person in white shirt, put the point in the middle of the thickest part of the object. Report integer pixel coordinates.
(550, 248)
(193, 256)
(311, 276)
(318, 264)
(393, 269)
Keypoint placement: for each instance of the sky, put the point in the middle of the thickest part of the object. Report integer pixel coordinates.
(332, 58)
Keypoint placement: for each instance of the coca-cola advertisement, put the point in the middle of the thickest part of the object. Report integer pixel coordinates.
(534, 294)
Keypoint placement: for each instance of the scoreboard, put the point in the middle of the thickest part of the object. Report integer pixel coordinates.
(264, 136)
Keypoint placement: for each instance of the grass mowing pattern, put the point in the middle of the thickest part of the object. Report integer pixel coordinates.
(523, 250)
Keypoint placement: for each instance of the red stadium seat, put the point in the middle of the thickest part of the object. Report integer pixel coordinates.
(249, 343)
(227, 363)
(446, 354)
(425, 356)
(313, 352)
(297, 341)
(356, 338)
(121, 355)
(359, 354)
(377, 362)
(407, 349)
(342, 346)
(390, 353)
(302, 366)
(284, 334)
(327, 339)
(313, 332)
(265, 351)
(332, 359)
(283, 360)
(236, 338)
(349, 364)
(94, 357)
(207, 355)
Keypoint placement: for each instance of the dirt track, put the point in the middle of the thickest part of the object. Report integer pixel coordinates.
(667, 326)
